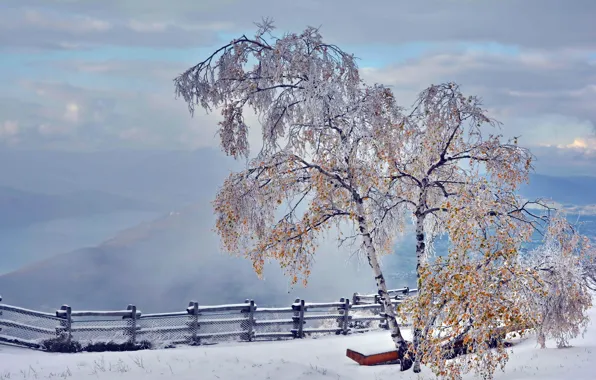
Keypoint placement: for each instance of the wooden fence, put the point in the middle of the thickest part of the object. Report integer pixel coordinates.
(197, 324)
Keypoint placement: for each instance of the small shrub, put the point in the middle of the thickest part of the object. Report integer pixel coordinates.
(113, 346)
(61, 345)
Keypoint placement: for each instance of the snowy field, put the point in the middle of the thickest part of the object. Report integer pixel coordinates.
(322, 358)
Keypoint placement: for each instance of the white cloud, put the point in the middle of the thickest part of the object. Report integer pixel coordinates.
(9, 128)
(536, 75)
(9, 132)
(530, 23)
(513, 84)
(53, 129)
(138, 135)
(46, 27)
(72, 24)
(209, 26)
(583, 143)
(147, 27)
(547, 129)
(71, 113)
(161, 26)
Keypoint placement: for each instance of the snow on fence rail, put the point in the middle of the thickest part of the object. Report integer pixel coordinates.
(198, 324)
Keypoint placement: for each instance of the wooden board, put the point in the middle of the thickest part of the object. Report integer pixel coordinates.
(389, 357)
(392, 357)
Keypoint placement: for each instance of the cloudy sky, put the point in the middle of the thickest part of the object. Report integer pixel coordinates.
(97, 74)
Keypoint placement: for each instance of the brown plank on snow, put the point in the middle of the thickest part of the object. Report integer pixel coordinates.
(389, 357)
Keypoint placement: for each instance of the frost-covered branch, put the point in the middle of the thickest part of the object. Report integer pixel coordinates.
(339, 152)
(559, 264)
(322, 131)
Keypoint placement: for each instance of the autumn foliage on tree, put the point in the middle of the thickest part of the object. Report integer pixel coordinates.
(336, 151)
(460, 179)
(559, 262)
(452, 153)
(589, 267)
(324, 137)
(468, 295)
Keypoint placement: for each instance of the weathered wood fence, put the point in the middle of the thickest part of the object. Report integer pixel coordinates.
(197, 324)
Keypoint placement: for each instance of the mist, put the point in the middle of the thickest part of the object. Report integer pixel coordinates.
(162, 265)
(90, 252)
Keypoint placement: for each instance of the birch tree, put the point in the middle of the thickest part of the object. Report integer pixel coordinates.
(451, 150)
(470, 295)
(565, 298)
(324, 137)
(335, 150)
(589, 267)
(486, 286)
(460, 178)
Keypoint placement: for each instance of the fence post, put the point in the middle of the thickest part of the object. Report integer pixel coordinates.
(249, 324)
(346, 315)
(295, 317)
(65, 331)
(340, 311)
(298, 318)
(132, 332)
(355, 299)
(0, 311)
(301, 325)
(193, 311)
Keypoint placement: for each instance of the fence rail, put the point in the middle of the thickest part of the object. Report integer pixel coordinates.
(198, 324)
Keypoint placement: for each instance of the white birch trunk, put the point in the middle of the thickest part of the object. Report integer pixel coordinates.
(390, 313)
(541, 338)
(420, 247)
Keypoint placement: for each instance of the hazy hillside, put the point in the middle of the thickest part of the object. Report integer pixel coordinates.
(178, 178)
(20, 208)
(163, 264)
(28, 244)
(578, 190)
(53, 202)
(171, 178)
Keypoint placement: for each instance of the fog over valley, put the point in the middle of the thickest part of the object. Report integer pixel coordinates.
(120, 227)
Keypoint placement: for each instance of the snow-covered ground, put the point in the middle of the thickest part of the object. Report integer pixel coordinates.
(322, 358)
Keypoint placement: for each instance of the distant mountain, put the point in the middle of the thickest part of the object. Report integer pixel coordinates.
(578, 190)
(87, 197)
(20, 208)
(164, 264)
(178, 178)
(172, 179)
